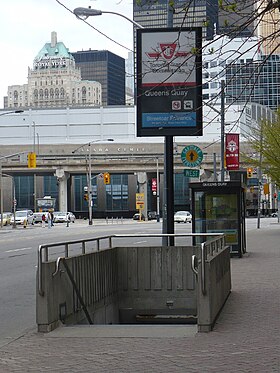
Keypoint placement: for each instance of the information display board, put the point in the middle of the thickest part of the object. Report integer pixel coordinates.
(169, 82)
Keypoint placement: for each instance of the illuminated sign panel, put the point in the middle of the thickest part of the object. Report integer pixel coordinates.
(169, 89)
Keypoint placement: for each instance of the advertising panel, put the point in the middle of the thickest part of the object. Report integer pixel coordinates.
(169, 82)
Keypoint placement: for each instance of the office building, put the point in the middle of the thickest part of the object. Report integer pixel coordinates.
(200, 13)
(222, 51)
(108, 69)
(256, 81)
(239, 22)
(54, 81)
(268, 28)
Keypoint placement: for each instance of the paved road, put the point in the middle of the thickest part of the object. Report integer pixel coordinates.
(18, 265)
(245, 337)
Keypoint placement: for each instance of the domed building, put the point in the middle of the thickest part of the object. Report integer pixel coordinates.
(54, 81)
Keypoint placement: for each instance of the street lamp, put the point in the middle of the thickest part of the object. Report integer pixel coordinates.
(1, 183)
(1, 179)
(84, 13)
(12, 112)
(89, 175)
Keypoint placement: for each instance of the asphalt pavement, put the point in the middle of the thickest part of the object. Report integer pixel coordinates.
(245, 338)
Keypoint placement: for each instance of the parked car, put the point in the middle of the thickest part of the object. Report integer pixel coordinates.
(183, 217)
(61, 217)
(6, 218)
(23, 217)
(137, 216)
(38, 217)
(152, 215)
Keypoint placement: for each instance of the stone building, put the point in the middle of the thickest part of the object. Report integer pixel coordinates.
(54, 81)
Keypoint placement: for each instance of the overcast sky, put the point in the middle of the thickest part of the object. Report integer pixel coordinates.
(26, 25)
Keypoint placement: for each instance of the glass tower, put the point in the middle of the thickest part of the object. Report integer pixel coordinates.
(106, 68)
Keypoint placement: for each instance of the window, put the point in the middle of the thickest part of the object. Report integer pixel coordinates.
(117, 193)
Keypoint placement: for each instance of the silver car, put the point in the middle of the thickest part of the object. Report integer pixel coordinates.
(183, 217)
(61, 217)
(23, 217)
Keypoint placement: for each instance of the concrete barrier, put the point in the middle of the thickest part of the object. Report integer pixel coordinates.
(134, 285)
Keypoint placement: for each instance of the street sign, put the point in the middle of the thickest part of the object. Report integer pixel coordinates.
(191, 156)
(191, 173)
(140, 201)
(154, 185)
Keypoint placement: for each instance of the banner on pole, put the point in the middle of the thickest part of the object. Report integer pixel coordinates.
(232, 151)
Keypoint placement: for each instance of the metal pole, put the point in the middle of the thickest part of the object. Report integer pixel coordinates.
(89, 188)
(158, 213)
(168, 195)
(34, 177)
(1, 190)
(260, 180)
(215, 166)
(222, 130)
(14, 203)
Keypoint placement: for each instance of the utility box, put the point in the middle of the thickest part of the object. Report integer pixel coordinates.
(219, 207)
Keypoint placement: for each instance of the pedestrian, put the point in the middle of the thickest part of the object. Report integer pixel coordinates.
(67, 219)
(43, 221)
(52, 217)
(49, 220)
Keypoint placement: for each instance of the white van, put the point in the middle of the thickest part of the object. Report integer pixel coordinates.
(23, 216)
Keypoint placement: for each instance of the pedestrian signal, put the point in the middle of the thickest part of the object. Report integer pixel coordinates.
(86, 196)
(249, 172)
(106, 177)
(266, 189)
(32, 160)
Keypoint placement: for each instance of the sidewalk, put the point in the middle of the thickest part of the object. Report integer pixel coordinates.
(246, 337)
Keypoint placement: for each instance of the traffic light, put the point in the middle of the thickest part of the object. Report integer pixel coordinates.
(85, 193)
(32, 160)
(249, 172)
(106, 177)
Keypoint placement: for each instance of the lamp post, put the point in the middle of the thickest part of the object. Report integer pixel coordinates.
(168, 195)
(260, 178)
(89, 175)
(1, 178)
(12, 112)
(84, 13)
(1, 182)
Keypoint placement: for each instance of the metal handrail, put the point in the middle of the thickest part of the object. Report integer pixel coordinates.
(45, 249)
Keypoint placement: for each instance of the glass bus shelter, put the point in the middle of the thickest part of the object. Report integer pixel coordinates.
(219, 207)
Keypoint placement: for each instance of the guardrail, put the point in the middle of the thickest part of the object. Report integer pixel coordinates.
(207, 248)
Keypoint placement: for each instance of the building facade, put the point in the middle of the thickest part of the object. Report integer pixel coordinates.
(199, 13)
(268, 27)
(54, 81)
(108, 69)
(256, 81)
(221, 52)
(238, 22)
(133, 164)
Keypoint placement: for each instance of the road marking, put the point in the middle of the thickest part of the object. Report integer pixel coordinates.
(15, 250)
(139, 242)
